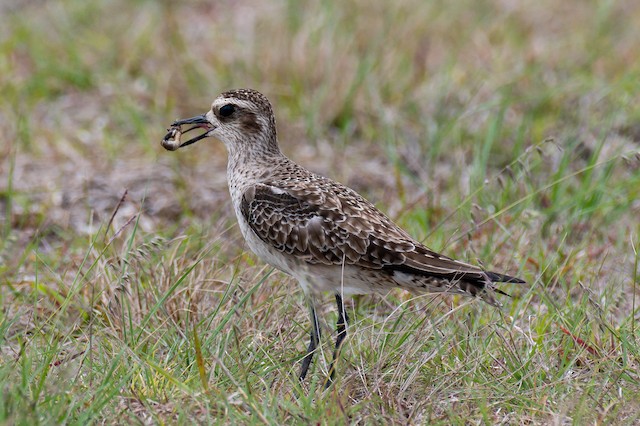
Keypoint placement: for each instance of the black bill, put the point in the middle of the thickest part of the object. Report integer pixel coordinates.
(171, 140)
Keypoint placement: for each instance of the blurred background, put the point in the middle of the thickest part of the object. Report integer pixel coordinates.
(496, 131)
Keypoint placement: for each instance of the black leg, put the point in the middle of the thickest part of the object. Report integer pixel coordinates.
(341, 327)
(313, 342)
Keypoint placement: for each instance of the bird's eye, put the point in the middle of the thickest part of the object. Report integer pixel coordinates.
(227, 110)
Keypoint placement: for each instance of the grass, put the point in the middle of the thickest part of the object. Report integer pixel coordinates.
(498, 133)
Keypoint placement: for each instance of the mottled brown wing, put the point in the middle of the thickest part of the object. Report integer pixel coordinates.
(314, 229)
(335, 225)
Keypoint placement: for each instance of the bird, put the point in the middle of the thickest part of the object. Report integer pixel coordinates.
(321, 232)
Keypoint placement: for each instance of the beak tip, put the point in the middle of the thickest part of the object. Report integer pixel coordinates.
(171, 141)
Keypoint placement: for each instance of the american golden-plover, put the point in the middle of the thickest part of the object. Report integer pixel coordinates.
(321, 232)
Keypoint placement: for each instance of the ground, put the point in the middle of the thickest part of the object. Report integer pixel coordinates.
(502, 133)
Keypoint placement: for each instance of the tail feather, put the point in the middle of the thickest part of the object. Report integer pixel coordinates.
(501, 278)
(473, 282)
(486, 291)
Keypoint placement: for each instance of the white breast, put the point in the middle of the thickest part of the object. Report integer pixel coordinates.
(263, 250)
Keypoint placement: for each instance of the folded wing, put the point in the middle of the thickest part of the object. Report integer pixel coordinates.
(332, 224)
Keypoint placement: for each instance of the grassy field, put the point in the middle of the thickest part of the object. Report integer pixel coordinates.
(500, 132)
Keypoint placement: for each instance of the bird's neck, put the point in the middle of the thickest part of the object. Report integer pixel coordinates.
(252, 162)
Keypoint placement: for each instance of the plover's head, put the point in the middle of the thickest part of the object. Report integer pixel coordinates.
(242, 119)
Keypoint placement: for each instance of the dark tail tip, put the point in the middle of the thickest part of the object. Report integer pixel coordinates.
(501, 278)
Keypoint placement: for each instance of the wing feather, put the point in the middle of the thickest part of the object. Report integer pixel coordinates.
(322, 222)
(335, 224)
